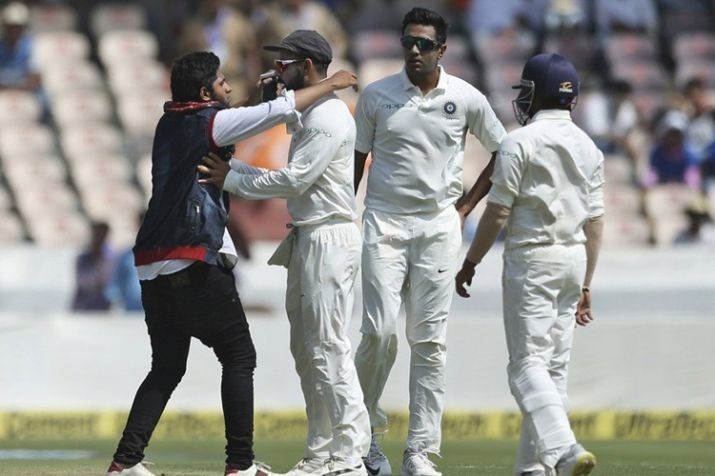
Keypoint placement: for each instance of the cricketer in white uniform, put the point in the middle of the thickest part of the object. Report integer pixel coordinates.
(415, 124)
(322, 254)
(548, 189)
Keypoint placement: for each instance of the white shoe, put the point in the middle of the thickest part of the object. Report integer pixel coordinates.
(118, 469)
(308, 466)
(327, 467)
(376, 462)
(341, 467)
(416, 463)
(256, 469)
(576, 462)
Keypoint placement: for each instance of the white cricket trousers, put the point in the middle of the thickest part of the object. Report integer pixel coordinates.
(542, 285)
(411, 261)
(319, 300)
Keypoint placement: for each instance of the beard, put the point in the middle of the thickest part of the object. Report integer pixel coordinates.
(295, 81)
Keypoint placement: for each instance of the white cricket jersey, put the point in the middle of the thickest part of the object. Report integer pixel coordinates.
(228, 127)
(318, 180)
(550, 173)
(417, 141)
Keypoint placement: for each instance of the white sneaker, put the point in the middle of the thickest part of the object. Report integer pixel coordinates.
(308, 466)
(376, 462)
(118, 469)
(340, 467)
(416, 463)
(256, 469)
(576, 462)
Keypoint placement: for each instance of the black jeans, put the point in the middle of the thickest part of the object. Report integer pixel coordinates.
(200, 301)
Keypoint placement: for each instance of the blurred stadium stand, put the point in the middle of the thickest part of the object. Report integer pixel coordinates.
(80, 150)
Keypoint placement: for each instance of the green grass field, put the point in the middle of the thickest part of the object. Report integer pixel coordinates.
(627, 458)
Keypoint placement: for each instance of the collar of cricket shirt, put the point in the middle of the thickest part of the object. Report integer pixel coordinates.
(441, 83)
(560, 114)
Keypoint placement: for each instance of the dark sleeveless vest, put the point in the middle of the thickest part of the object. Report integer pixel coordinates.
(184, 219)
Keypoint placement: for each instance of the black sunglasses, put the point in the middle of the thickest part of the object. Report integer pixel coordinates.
(423, 44)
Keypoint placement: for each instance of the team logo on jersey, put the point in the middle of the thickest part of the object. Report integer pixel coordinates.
(566, 87)
(450, 108)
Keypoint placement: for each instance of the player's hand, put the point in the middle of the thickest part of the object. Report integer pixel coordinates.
(464, 277)
(343, 79)
(215, 169)
(584, 315)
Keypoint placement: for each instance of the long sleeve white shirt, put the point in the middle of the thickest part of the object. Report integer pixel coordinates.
(318, 180)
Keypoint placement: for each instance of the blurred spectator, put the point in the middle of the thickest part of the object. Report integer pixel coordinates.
(707, 167)
(17, 70)
(563, 14)
(625, 15)
(486, 17)
(610, 120)
(124, 289)
(672, 160)
(94, 269)
(701, 129)
(222, 27)
(679, 16)
(284, 16)
(699, 223)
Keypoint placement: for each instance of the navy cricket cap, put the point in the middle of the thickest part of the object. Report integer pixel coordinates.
(306, 43)
(553, 75)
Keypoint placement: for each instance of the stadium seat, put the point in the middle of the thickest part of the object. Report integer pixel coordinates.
(376, 44)
(688, 68)
(122, 46)
(631, 46)
(123, 78)
(22, 139)
(76, 75)
(36, 199)
(62, 228)
(110, 168)
(5, 199)
(77, 106)
(112, 199)
(19, 106)
(90, 141)
(139, 113)
(52, 16)
(371, 70)
(643, 75)
(38, 168)
(699, 44)
(507, 47)
(618, 170)
(625, 231)
(59, 46)
(11, 230)
(116, 16)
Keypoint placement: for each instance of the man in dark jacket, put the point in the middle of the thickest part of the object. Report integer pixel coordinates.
(184, 255)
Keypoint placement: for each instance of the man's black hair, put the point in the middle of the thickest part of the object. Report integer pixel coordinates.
(424, 16)
(192, 71)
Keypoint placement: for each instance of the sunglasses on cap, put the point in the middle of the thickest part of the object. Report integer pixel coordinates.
(423, 44)
(281, 65)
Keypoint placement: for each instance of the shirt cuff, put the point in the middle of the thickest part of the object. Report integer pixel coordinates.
(500, 195)
(232, 182)
(295, 115)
